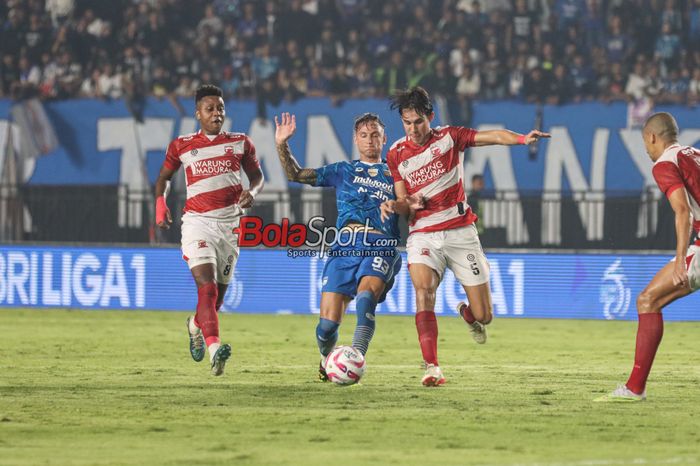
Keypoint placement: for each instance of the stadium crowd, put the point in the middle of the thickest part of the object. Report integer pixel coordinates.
(545, 51)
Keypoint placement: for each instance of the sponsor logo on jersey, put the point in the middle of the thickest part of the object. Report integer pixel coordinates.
(425, 252)
(387, 173)
(426, 173)
(359, 169)
(435, 150)
(228, 150)
(201, 244)
(363, 180)
(212, 167)
(194, 152)
(404, 163)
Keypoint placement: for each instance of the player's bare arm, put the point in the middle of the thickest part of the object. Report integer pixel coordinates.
(256, 180)
(506, 137)
(404, 204)
(284, 130)
(681, 209)
(163, 216)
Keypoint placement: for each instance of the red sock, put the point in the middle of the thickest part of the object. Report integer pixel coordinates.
(649, 333)
(466, 313)
(206, 317)
(427, 327)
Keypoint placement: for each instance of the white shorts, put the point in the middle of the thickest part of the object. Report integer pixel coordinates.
(693, 263)
(458, 248)
(206, 241)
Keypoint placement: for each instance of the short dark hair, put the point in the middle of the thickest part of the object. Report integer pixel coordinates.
(206, 90)
(368, 118)
(415, 98)
(663, 125)
(477, 176)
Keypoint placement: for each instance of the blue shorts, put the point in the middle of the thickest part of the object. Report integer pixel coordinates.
(346, 266)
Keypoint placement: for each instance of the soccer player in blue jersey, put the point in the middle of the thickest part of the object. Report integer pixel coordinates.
(363, 269)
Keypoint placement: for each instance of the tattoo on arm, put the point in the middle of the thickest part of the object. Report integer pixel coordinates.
(291, 167)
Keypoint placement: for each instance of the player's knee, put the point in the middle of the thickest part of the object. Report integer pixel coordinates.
(645, 302)
(425, 297)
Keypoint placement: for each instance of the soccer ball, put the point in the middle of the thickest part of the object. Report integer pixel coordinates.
(345, 365)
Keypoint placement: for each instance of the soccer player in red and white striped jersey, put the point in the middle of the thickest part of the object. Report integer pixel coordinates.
(212, 160)
(427, 167)
(677, 173)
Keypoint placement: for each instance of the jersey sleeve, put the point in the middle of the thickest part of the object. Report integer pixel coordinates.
(463, 137)
(329, 175)
(392, 163)
(250, 161)
(172, 158)
(668, 177)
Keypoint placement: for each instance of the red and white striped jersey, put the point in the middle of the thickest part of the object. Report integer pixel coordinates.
(679, 167)
(435, 170)
(212, 171)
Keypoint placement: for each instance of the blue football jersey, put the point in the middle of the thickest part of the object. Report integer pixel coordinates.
(360, 187)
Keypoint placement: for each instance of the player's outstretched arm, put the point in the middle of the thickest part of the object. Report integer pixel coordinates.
(284, 130)
(163, 216)
(506, 137)
(681, 209)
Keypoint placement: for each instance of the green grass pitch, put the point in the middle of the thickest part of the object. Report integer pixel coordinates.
(119, 388)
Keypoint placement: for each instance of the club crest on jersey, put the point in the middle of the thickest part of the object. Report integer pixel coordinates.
(373, 171)
(201, 244)
(194, 152)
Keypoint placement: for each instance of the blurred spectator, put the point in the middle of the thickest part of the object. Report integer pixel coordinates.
(536, 86)
(617, 43)
(675, 88)
(392, 75)
(582, 79)
(667, 47)
(694, 88)
(468, 89)
(560, 86)
(493, 73)
(317, 84)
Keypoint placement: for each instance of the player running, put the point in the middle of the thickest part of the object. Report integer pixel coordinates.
(361, 271)
(428, 164)
(677, 172)
(215, 201)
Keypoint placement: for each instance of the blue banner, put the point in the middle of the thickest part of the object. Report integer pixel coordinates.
(566, 286)
(591, 148)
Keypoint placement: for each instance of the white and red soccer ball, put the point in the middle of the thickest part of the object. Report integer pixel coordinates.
(345, 365)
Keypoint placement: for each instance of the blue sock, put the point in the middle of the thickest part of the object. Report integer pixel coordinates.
(326, 335)
(364, 331)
